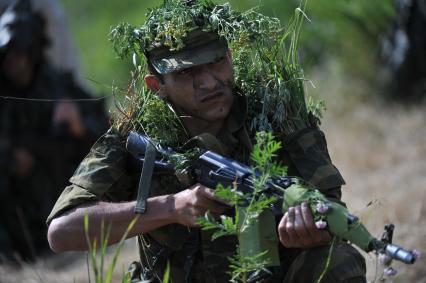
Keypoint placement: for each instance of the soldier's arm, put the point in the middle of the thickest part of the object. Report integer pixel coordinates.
(66, 231)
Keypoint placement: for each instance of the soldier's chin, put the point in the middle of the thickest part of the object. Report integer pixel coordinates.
(20, 79)
(216, 114)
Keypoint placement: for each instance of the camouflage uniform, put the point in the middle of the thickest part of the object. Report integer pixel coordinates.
(105, 174)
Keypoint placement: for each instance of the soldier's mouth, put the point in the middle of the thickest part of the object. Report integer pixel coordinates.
(211, 97)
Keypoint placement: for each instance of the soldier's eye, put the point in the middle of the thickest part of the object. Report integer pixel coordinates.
(185, 71)
(218, 60)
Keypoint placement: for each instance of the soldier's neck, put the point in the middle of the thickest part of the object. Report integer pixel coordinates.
(196, 126)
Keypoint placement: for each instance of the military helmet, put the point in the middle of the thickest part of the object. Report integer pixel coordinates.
(199, 46)
(176, 35)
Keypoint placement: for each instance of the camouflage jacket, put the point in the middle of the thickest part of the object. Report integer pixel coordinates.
(105, 174)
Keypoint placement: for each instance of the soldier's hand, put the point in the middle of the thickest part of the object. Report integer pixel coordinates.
(68, 113)
(297, 229)
(195, 202)
(24, 162)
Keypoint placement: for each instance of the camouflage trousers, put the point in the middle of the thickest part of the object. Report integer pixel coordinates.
(346, 265)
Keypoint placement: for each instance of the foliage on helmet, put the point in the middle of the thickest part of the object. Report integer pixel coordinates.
(265, 56)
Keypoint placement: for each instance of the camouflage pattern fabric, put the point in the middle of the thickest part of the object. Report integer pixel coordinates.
(308, 151)
(347, 265)
(106, 174)
(306, 155)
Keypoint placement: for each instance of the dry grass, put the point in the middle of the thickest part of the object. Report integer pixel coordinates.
(68, 267)
(381, 152)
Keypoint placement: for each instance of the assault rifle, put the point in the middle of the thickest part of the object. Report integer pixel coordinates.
(211, 169)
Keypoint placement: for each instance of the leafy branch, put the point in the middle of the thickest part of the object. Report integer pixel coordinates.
(249, 208)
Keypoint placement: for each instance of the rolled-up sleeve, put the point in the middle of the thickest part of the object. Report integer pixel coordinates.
(100, 176)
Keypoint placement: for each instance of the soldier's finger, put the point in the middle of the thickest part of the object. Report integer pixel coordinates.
(213, 206)
(195, 187)
(290, 214)
(290, 228)
(302, 233)
(309, 223)
(193, 222)
(190, 217)
(207, 192)
(201, 192)
(282, 232)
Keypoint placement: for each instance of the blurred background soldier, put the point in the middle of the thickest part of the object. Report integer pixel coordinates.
(404, 50)
(41, 140)
(61, 51)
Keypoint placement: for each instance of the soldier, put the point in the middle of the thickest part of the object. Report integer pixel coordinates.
(41, 141)
(403, 50)
(198, 82)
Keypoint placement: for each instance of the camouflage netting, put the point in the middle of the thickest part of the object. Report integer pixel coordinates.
(265, 56)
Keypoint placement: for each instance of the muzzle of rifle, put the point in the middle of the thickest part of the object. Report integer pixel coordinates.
(400, 254)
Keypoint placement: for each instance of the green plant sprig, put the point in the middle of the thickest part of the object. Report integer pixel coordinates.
(102, 276)
(264, 164)
(144, 111)
(266, 64)
(265, 167)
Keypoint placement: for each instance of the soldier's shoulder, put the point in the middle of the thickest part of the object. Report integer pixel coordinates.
(112, 140)
(104, 165)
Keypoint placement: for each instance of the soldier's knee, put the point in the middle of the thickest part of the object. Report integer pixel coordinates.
(346, 265)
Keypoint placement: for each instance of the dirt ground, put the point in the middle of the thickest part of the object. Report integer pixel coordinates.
(382, 156)
(379, 149)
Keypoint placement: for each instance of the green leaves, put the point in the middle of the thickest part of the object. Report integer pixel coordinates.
(269, 73)
(241, 266)
(168, 25)
(125, 39)
(225, 227)
(231, 195)
(182, 161)
(249, 208)
(159, 122)
(265, 56)
(151, 115)
(98, 266)
(264, 151)
(316, 107)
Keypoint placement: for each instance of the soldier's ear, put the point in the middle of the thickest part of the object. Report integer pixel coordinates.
(152, 82)
(155, 85)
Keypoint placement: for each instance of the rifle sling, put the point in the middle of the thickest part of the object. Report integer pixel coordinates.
(145, 179)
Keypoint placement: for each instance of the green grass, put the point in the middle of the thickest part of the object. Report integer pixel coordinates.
(97, 249)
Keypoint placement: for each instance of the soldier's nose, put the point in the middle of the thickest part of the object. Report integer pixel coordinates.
(204, 79)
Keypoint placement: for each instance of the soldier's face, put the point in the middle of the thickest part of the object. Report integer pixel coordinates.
(204, 91)
(18, 67)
